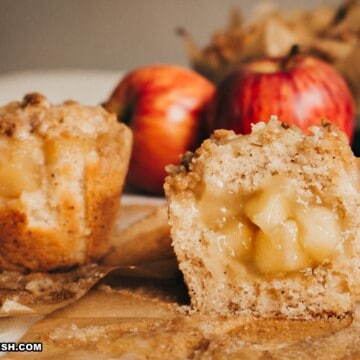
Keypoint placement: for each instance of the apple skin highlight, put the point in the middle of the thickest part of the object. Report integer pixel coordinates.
(301, 91)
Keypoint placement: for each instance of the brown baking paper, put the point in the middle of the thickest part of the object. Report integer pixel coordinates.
(150, 321)
(42, 293)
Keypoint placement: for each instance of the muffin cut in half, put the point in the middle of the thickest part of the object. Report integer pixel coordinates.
(267, 224)
(62, 169)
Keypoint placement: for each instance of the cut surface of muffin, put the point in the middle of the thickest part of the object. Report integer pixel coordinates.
(62, 169)
(267, 223)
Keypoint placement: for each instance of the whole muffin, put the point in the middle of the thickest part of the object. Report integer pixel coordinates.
(62, 169)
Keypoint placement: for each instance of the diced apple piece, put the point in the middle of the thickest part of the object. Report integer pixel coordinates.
(237, 239)
(267, 209)
(12, 181)
(52, 151)
(320, 231)
(280, 250)
(217, 205)
(18, 170)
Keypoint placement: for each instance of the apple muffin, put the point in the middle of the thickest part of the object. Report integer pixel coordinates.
(267, 224)
(62, 169)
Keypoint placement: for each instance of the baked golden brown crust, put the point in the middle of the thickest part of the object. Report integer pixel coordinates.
(211, 193)
(62, 169)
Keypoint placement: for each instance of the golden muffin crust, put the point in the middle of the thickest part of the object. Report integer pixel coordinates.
(62, 169)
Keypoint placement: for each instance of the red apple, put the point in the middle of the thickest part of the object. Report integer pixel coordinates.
(164, 107)
(299, 89)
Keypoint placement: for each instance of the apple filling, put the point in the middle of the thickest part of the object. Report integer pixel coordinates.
(19, 167)
(272, 230)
